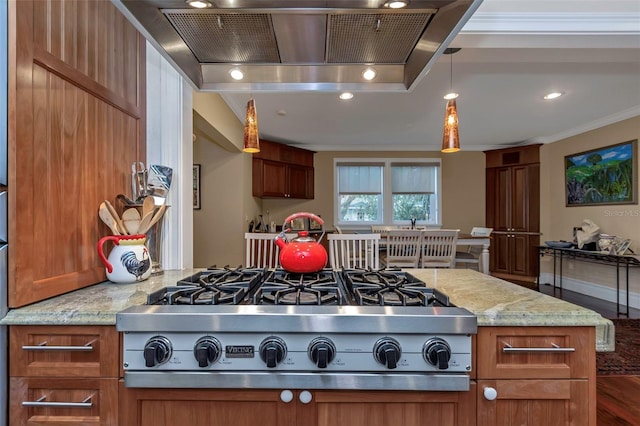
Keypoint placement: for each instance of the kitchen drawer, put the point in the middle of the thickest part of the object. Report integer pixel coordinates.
(38, 401)
(535, 352)
(71, 351)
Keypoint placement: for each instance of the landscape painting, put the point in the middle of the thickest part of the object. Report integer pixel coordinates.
(605, 175)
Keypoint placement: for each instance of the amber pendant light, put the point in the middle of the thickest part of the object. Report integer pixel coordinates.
(251, 141)
(450, 134)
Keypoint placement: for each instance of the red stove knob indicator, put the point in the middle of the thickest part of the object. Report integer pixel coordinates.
(437, 353)
(272, 351)
(321, 351)
(157, 351)
(207, 350)
(387, 352)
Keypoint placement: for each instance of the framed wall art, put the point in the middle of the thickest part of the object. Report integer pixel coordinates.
(607, 175)
(196, 187)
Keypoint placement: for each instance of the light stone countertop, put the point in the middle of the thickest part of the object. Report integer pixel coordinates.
(494, 301)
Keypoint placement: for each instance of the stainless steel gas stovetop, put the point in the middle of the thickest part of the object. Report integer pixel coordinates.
(352, 329)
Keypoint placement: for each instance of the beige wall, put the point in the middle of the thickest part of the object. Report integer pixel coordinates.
(557, 220)
(463, 188)
(227, 204)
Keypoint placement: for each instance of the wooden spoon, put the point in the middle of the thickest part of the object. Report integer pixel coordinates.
(145, 223)
(116, 217)
(156, 217)
(108, 219)
(131, 220)
(148, 205)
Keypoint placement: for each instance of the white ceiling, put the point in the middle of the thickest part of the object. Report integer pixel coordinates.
(513, 52)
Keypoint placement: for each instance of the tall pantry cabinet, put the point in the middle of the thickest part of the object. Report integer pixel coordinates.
(513, 211)
(76, 122)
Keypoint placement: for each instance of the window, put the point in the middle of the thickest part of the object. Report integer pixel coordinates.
(393, 192)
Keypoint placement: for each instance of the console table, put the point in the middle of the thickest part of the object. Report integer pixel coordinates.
(626, 262)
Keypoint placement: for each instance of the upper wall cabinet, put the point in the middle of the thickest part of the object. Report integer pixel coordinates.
(281, 171)
(76, 122)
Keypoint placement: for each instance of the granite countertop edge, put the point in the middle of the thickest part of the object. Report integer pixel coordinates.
(495, 303)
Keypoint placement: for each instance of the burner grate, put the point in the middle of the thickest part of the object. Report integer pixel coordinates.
(288, 288)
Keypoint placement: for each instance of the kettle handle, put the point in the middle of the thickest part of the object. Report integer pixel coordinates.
(304, 214)
(105, 262)
(311, 216)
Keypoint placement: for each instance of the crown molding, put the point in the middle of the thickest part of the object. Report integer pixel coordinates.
(556, 23)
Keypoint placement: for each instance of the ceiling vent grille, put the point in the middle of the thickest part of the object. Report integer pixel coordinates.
(223, 38)
(374, 38)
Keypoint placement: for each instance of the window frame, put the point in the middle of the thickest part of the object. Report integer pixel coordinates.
(387, 192)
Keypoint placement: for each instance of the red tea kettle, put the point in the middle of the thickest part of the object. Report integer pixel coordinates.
(302, 254)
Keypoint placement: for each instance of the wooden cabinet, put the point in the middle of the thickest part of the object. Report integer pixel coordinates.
(147, 407)
(378, 408)
(534, 376)
(513, 211)
(64, 375)
(76, 121)
(280, 171)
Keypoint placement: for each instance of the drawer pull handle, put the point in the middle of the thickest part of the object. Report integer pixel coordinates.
(40, 402)
(554, 348)
(43, 347)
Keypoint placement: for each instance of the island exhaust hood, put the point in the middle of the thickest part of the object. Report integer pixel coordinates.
(300, 45)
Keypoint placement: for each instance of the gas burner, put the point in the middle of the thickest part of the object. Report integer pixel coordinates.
(287, 288)
(391, 288)
(220, 286)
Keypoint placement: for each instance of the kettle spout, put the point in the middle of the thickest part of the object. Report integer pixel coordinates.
(281, 240)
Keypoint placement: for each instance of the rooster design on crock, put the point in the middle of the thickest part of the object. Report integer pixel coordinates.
(129, 260)
(135, 266)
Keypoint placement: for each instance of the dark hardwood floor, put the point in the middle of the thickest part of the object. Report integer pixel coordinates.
(618, 397)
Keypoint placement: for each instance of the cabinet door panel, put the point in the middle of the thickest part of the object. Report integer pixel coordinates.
(534, 403)
(298, 181)
(500, 255)
(204, 407)
(73, 351)
(98, 399)
(363, 408)
(274, 177)
(496, 363)
(503, 199)
(519, 199)
(519, 251)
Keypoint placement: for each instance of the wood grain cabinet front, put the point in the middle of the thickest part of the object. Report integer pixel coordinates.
(156, 407)
(535, 376)
(64, 375)
(62, 401)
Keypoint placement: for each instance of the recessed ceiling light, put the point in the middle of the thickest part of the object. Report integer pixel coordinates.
(281, 112)
(198, 4)
(451, 95)
(346, 95)
(396, 4)
(553, 95)
(369, 74)
(236, 74)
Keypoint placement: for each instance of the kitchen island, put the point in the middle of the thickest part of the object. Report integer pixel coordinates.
(508, 317)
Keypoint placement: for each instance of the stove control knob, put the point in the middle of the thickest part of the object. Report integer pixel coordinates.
(437, 353)
(157, 351)
(321, 351)
(387, 352)
(272, 351)
(207, 351)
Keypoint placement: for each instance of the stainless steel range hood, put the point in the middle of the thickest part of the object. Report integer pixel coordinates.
(291, 45)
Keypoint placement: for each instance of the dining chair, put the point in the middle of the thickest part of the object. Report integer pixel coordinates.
(354, 251)
(403, 248)
(261, 250)
(471, 256)
(439, 248)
